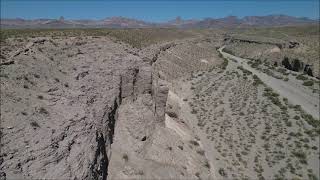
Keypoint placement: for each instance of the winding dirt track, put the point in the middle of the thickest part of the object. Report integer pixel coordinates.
(296, 95)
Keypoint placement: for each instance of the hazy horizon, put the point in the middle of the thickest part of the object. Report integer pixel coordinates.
(156, 11)
(173, 18)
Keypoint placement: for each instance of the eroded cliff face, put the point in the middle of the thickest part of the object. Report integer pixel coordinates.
(151, 140)
(63, 100)
(90, 108)
(59, 106)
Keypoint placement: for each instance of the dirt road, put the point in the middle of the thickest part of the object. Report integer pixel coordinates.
(297, 95)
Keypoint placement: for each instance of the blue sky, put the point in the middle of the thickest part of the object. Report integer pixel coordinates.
(155, 10)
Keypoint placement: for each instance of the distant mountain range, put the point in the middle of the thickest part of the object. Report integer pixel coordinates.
(123, 22)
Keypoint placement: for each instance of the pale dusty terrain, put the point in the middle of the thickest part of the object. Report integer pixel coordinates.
(244, 134)
(296, 93)
(95, 108)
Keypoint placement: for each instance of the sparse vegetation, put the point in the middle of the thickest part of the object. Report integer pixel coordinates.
(125, 157)
(201, 152)
(256, 80)
(172, 114)
(135, 37)
(231, 106)
(195, 143)
(42, 110)
(301, 156)
(34, 124)
(301, 77)
(222, 172)
(308, 83)
(224, 63)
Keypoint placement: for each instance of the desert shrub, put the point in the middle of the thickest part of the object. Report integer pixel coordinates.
(245, 72)
(197, 174)
(301, 77)
(298, 134)
(194, 142)
(201, 152)
(312, 176)
(279, 144)
(278, 77)
(256, 80)
(302, 156)
(310, 120)
(224, 64)
(282, 70)
(286, 63)
(222, 172)
(274, 97)
(226, 50)
(125, 157)
(283, 107)
(289, 123)
(193, 111)
(172, 114)
(255, 63)
(296, 65)
(140, 172)
(309, 71)
(308, 83)
(297, 108)
(42, 110)
(206, 164)
(296, 117)
(34, 124)
(279, 177)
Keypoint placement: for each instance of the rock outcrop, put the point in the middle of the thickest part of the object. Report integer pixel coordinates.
(89, 108)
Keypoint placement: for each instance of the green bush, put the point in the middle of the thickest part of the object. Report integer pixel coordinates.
(256, 63)
(256, 80)
(308, 83)
(224, 64)
(302, 156)
(296, 117)
(310, 120)
(301, 77)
